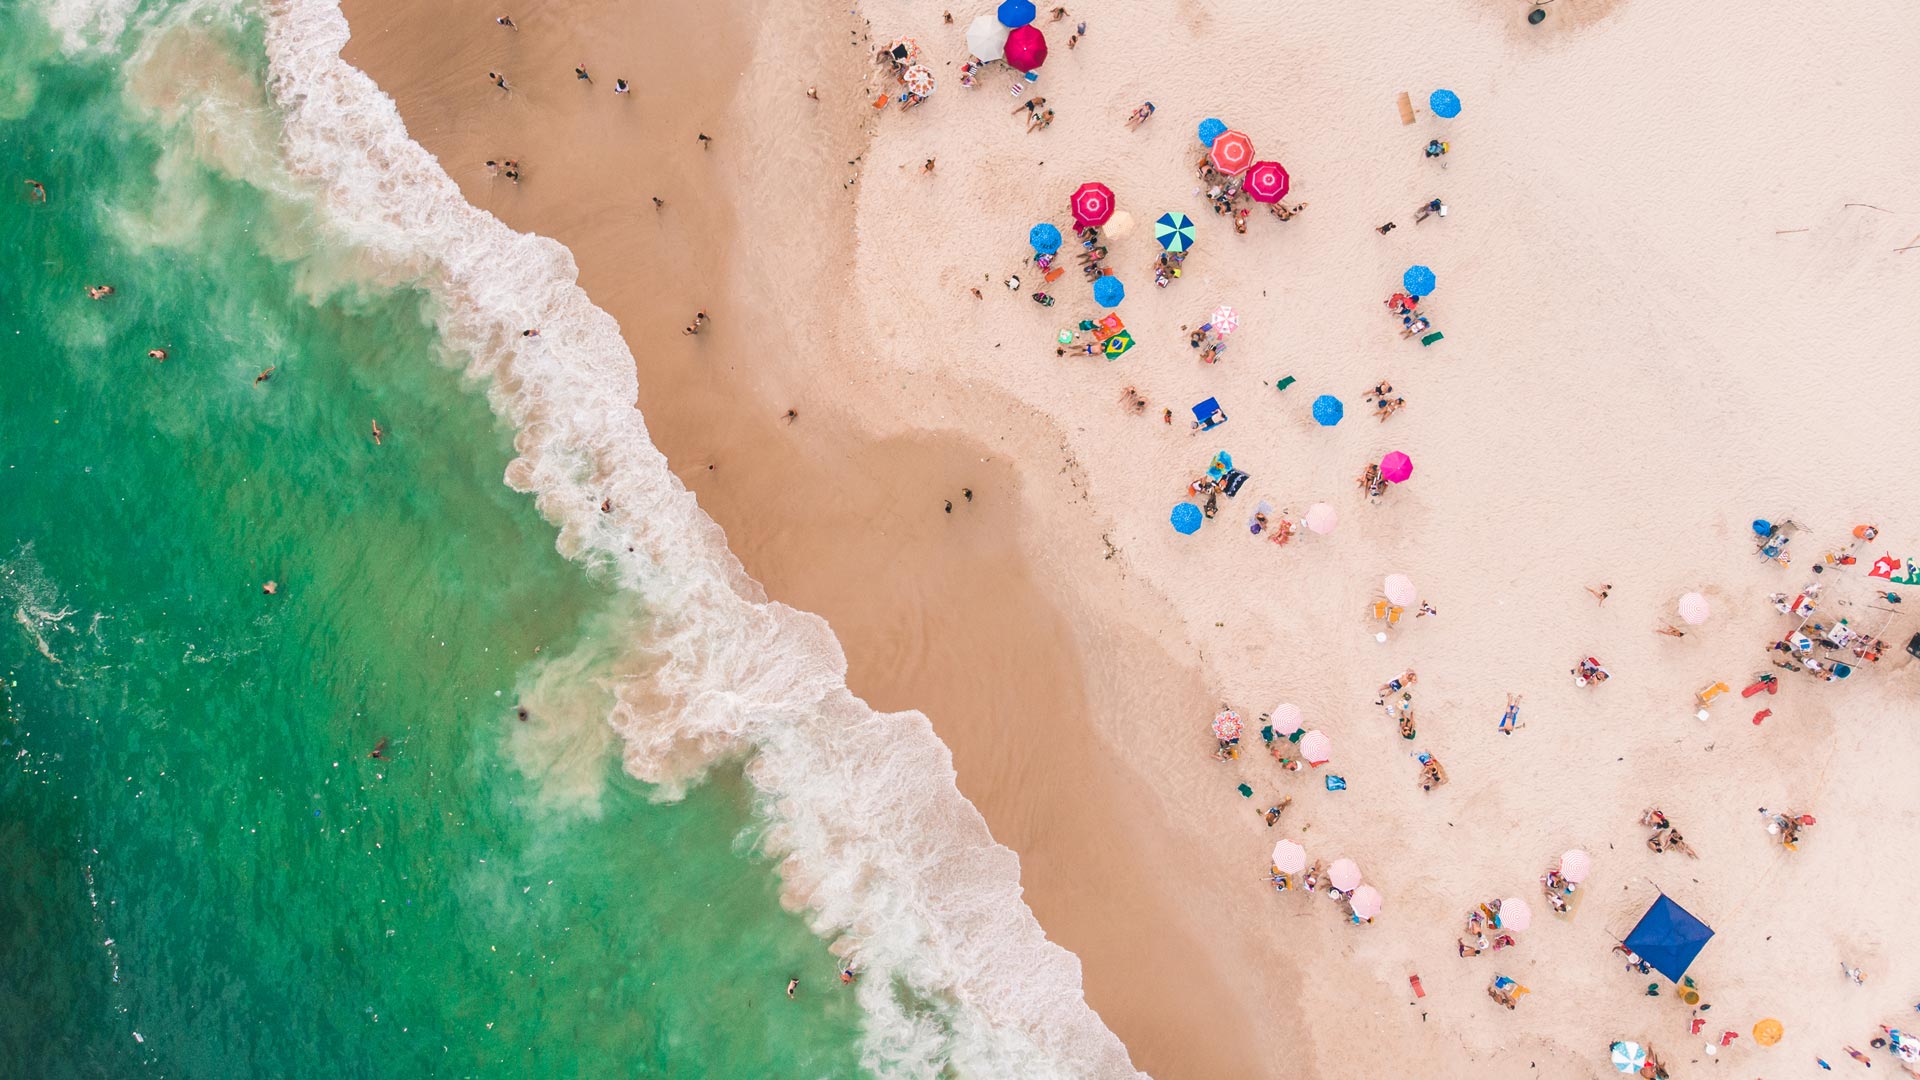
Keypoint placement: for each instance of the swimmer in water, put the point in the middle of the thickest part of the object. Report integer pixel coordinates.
(99, 292)
(379, 749)
(792, 985)
(265, 375)
(377, 433)
(270, 588)
(156, 354)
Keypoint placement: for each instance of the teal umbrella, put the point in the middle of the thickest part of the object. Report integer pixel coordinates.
(1174, 231)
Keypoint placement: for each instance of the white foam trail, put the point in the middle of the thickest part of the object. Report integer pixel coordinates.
(877, 842)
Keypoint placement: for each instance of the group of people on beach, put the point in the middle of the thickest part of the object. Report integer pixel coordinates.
(1666, 836)
(1485, 931)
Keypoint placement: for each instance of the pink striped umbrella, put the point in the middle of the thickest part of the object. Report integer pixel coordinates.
(1316, 748)
(1289, 857)
(1231, 152)
(1694, 609)
(1092, 205)
(1400, 591)
(1267, 182)
(1515, 914)
(1366, 901)
(1575, 865)
(1344, 874)
(1321, 518)
(1286, 718)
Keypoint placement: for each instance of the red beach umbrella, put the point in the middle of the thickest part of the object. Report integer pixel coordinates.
(1026, 48)
(1232, 152)
(1266, 181)
(1092, 205)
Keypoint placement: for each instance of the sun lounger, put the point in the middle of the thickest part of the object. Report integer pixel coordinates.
(1406, 108)
(1431, 338)
(1712, 691)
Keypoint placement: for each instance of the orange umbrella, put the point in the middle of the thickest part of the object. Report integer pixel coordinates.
(1231, 152)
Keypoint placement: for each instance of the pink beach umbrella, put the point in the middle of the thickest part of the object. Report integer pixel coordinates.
(1321, 518)
(1515, 914)
(1575, 865)
(1267, 182)
(1316, 748)
(1026, 48)
(1344, 874)
(1396, 467)
(1231, 152)
(1223, 320)
(1289, 857)
(1694, 609)
(1366, 901)
(1092, 204)
(1286, 718)
(1400, 591)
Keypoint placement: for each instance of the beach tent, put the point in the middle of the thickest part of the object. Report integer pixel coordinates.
(1668, 937)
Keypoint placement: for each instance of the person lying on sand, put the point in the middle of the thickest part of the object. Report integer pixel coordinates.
(1432, 775)
(1139, 115)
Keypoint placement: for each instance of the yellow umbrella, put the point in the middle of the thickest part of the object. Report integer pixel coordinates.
(1767, 1032)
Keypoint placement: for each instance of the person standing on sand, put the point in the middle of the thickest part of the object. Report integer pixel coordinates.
(620, 86)
(580, 73)
(659, 203)
(506, 21)
(705, 141)
(1600, 593)
(499, 80)
(949, 506)
(928, 167)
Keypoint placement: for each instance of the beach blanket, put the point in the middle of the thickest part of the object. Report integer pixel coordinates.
(1235, 479)
(1336, 783)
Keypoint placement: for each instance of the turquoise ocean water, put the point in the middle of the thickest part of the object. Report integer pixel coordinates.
(202, 871)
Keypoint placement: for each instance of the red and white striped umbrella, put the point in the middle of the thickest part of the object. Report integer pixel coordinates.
(1267, 182)
(1366, 901)
(1694, 609)
(1321, 518)
(1286, 718)
(1289, 857)
(1575, 865)
(1400, 591)
(1316, 748)
(1092, 204)
(1226, 724)
(1344, 874)
(1231, 152)
(1515, 914)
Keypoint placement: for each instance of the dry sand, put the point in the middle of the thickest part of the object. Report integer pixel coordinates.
(1640, 357)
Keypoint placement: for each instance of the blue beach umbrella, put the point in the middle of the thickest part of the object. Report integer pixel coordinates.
(1418, 281)
(1044, 238)
(1328, 410)
(1186, 519)
(1016, 13)
(1444, 103)
(1174, 231)
(1108, 292)
(1211, 129)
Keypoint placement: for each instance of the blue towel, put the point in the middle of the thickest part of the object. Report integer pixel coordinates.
(1336, 783)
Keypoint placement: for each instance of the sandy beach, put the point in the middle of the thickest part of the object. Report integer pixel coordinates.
(1671, 296)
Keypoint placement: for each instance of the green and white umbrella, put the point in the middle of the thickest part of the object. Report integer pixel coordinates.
(1174, 231)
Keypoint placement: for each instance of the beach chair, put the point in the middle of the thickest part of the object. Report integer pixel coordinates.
(1393, 615)
(1431, 338)
(1712, 691)
(1406, 108)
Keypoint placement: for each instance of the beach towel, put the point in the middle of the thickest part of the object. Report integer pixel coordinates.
(1284, 383)
(1336, 783)
(1246, 791)
(1431, 338)
(1235, 480)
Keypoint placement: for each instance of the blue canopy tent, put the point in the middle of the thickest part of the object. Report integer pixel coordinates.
(1668, 937)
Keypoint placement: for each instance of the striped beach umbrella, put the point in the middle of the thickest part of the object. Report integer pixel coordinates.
(1366, 901)
(1316, 748)
(1226, 724)
(1231, 152)
(1694, 609)
(1174, 231)
(1267, 182)
(1092, 205)
(1628, 1057)
(1575, 865)
(1399, 589)
(918, 79)
(1289, 857)
(1285, 718)
(1223, 320)
(1344, 875)
(1515, 914)
(1322, 518)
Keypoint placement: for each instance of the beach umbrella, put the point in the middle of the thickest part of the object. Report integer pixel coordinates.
(1396, 467)
(1223, 320)
(1026, 48)
(1108, 292)
(1266, 181)
(1092, 204)
(1316, 747)
(1186, 519)
(1174, 230)
(1328, 410)
(1444, 103)
(1366, 901)
(918, 80)
(1629, 1056)
(1575, 865)
(1119, 225)
(1321, 518)
(1286, 718)
(1211, 129)
(1418, 280)
(1694, 609)
(1766, 1032)
(1515, 914)
(987, 38)
(1231, 152)
(1343, 875)
(1289, 857)
(1226, 723)
(1045, 238)
(1014, 13)
(1400, 591)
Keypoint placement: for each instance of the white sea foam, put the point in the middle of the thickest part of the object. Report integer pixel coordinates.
(876, 842)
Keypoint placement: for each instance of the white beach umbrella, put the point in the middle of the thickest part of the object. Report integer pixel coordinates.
(1289, 857)
(1321, 518)
(1515, 914)
(1316, 747)
(1366, 901)
(1575, 865)
(1344, 874)
(1694, 609)
(987, 38)
(1400, 591)
(1286, 718)
(1118, 226)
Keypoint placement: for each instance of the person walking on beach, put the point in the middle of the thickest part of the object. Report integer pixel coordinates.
(620, 86)
(949, 506)
(1384, 229)
(928, 167)
(506, 21)
(1600, 593)
(705, 141)
(659, 203)
(580, 72)
(499, 80)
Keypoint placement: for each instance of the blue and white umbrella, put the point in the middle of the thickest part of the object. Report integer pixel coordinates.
(1174, 230)
(1108, 291)
(1211, 129)
(1444, 103)
(1418, 281)
(1186, 519)
(1628, 1057)
(1328, 410)
(1045, 238)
